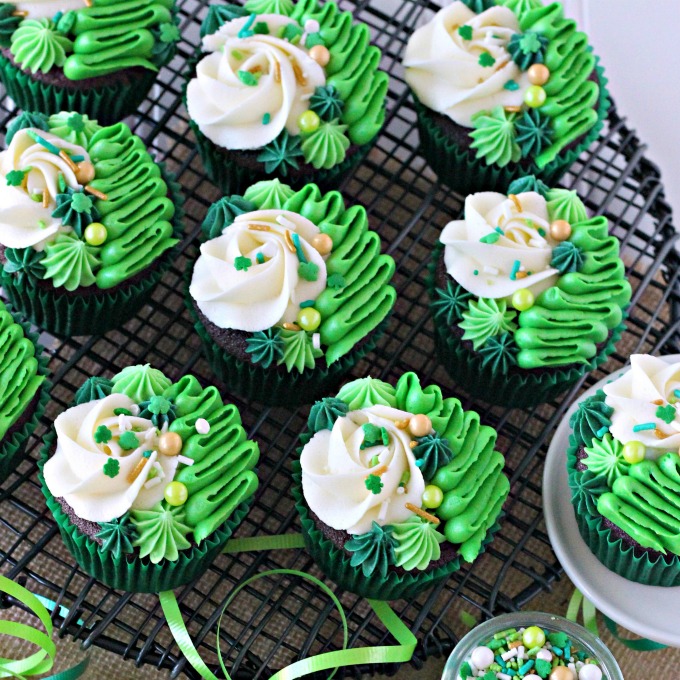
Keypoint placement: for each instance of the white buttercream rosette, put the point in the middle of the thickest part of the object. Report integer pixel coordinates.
(24, 222)
(266, 293)
(230, 112)
(632, 397)
(521, 241)
(76, 470)
(443, 68)
(41, 9)
(335, 468)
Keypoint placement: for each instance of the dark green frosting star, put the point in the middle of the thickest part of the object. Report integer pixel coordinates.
(25, 120)
(93, 388)
(373, 551)
(76, 209)
(265, 347)
(500, 352)
(24, 262)
(527, 49)
(223, 213)
(8, 23)
(586, 488)
(592, 415)
(158, 410)
(567, 258)
(528, 183)
(451, 302)
(534, 132)
(281, 154)
(432, 452)
(325, 412)
(166, 37)
(327, 103)
(219, 15)
(117, 536)
(479, 6)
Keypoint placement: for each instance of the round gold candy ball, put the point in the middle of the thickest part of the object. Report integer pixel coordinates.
(561, 673)
(322, 243)
(420, 425)
(84, 172)
(560, 230)
(169, 444)
(538, 74)
(320, 54)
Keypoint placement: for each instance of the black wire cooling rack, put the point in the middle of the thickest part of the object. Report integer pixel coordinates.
(278, 620)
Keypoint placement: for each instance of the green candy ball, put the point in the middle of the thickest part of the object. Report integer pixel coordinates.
(309, 319)
(95, 234)
(634, 452)
(522, 299)
(535, 97)
(309, 121)
(533, 636)
(432, 497)
(176, 494)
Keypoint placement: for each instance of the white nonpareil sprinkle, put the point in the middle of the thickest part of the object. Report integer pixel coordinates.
(134, 409)
(124, 423)
(400, 490)
(544, 655)
(503, 676)
(185, 461)
(312, 26)
(202, 426)
(316, 340)
(383, 510)
(150, 483)
(490, 270)
(520, 652)
(482, 657)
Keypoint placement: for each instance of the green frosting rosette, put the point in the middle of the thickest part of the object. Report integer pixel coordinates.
(288, 89)
(527, 292)
(395, 485)
(100, 59)
(89, 222)
(147, 479)
(289, 291)
(624, 472)
(24, 388)
(502, 89)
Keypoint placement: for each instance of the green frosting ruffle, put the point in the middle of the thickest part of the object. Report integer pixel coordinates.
(432, 452)
(72, 127)
(269, 194)
(70, 263)
(326, 147)
(565, 204)
(140, 382)
(223, 213)
(417, 543)
(325, 412)
(366, 392)
(591, 419)
(38, 47)
(486, 318)
(161, 532)
(493, 137)
(605, 459)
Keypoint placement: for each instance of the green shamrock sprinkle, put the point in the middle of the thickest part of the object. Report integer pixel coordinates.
(373, 484)
(530, 43)
(247, 78)
(81, 202)
(159, 405)
(385, 435)
(169, 33)
(308, 271)
(15, 178)
(102, 434)
(465, 32)
(335, 281)
(543, 668)
(511, 85)
(291, 32)
(486, 60)
(121, 412)
(242, 263)
(75, 122)
(111, 468)
(666, 413)
(261, 28)
(372, 435)
(128, 441)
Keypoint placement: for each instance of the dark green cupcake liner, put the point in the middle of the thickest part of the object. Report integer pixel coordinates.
(132, 573)
(465, 173)
(335, 562)
(612, 551)
(107, 105)
(64, 314)
(521, 389)
(13, 448)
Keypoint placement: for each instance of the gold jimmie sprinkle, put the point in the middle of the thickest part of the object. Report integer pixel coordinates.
(290, 326)
(69, 161)
(46, 198)
(259, 227)
(96, 192)
(515, 200)
(277, 72)
(401, 424)
(421, 513)
(660, 435)
(299, 77)
(413, 444)
(19, 13)
(380, 470)
(512, 109)
(137, 470)
(289, 242)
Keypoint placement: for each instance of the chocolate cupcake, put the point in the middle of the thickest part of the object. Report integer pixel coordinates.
(286, 90)
(289, 291)
(527, 293)
(624, 472)
(99, 59)
(503, 88)
(395, 485)
(147, 479)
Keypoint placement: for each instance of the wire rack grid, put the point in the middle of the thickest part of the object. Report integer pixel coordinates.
(280, 619)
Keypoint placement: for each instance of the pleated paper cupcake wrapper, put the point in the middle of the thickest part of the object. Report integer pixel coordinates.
(12, 450)
(460, 168)
(96, 313)
(613, 552)
(232, 177)
(335, 562)
(107, 105)
(130, 573)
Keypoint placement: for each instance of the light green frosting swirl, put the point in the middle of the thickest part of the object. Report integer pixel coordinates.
(140, 382)
(366, 392)
(494, 137)
(269, 194)
(486, 318)
(70, 262)
(75, 128)
(284, 7)
(298, 351)
(326, 147)
(418, 543)
(605, 458)
(161, 532)
(564, 204)
(37, 46)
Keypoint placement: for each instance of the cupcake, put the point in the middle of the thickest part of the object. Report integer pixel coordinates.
(288, 90)
(24, 390)
(88, 221)
(503, 89)
(147, 479)
(395, 485)
(624, 472)
(528, 294)
(98, 58)
(289, 291)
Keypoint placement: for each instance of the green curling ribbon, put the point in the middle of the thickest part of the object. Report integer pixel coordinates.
(400, 653)
(42, 661)
(578, 602)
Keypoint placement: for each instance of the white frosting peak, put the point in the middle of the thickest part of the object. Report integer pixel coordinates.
(40, 9)
(268, 292)
(490, 213)
(76, 470)
(632, 397)
(335, 468)
(443, 68)
(229, 111)
(24, 222)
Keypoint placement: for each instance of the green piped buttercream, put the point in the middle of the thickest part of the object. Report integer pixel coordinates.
(75, 128)
(26, 119)
(24, 262)
(327, 103)
(565, 204)
(592, 415)
(281, 154)
(432, 452)
(8, 23)
(117, 536)
(326, 147)
(605, 459)
(411, 397)
(140, 382)
(161, 532)
(366, 392)
(284, 7)
(586, 488)
(374, 550)
(266, 347)
(93, 388)
(297, 351)
(534, 132)
(486, 318)
(325, 412)
(222, 214)
(269, 194)
(451, 302)
(75, 209)
(494, 137)
(70, 263)
(528, 183)
(500, 352)
(527, 49)
(417, 543)
(567, 258)
(37, 46)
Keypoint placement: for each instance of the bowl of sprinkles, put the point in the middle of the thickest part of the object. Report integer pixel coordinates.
(531, 646)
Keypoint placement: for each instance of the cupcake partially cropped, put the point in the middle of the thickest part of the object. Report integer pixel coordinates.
(289, 291)
(395, 486)
(287, 90)
(624, 472)
(88, 221)
(24, 390)
(527, 292)
(147, 479)
(99, 58)
(502, 89)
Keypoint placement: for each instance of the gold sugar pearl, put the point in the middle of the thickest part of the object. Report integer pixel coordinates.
(560, 230)
(320, 54)
(84, 172)
(538, 74)
(561, 673)
(322, 243)
(420, 425)
(169, 444)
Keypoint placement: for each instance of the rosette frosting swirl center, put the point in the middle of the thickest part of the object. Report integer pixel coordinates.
(245, 81)
(249, 278)
(335, 469)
